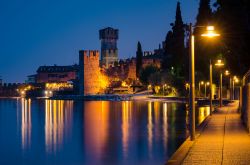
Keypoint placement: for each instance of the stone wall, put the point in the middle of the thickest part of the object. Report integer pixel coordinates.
(246, 105)
(245, 100)
(151, 61)
(90, 78)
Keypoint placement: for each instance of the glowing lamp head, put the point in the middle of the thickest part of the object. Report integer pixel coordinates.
(219, 63)
(227, 73)
(235, 79)
(210, 28)
(202, 82)
(210, 33)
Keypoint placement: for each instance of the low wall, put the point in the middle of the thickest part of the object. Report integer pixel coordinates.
(245, 111)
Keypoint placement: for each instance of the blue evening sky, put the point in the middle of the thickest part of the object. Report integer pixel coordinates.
(48, 32)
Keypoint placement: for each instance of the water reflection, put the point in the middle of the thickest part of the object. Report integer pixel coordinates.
(58, 118)
(96, 125)
(99, 132)
(203, 112)
(26, 123)
(150, 127)
(165, 124)
(126, 119)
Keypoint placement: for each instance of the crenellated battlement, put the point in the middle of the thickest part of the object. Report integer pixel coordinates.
(90, 54)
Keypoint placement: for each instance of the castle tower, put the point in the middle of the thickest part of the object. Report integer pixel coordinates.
(109, 51)
(89, 72)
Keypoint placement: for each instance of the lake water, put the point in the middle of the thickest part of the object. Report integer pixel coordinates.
(36, 132)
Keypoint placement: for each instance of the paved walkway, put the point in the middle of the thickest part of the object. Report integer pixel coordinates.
(223, 141)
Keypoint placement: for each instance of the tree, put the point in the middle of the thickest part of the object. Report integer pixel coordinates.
(146, 72)
(174, 44)
(139, 55)
(204, 16)
(204, 50)
(233, 18)
(167, 50)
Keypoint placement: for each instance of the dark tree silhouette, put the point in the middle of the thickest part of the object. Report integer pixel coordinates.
(204, 50)
(174, 45)
(233, 18)
(139, 55)
(167, 50)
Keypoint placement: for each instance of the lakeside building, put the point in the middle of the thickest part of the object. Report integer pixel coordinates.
(9, 89)
(56, 73)
(50, 80)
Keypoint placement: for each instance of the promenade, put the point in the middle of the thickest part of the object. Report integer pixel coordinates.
(224, 140)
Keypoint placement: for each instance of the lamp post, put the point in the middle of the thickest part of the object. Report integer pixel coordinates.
(200, 83)
(220, 89)
(211, 85)
(192, 85)
(227, 73)
(220, 64)
(210, 33)
(205, 90)
(164, 89)
(235, 80)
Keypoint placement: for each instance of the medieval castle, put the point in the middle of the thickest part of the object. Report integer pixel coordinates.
(97, 73)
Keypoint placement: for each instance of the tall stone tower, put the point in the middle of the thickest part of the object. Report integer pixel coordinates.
(109, 51)
(89, 72)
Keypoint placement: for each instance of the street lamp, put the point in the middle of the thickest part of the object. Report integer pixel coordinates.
(211, 86)
(235, 80)
(220, 64)
(205, 92)
(210, 33)
(227, 73)
(164, 86)
(200, 83)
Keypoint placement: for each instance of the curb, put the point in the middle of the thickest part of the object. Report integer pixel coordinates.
(180, 154)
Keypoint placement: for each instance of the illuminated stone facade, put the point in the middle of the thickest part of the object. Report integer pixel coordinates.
(151, 58)
(132, 69)
(92, 81)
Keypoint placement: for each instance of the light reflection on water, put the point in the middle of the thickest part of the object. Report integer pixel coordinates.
(92, 132)
(58, 118)
(26, 123)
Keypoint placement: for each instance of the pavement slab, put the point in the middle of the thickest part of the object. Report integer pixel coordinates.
(224, 140)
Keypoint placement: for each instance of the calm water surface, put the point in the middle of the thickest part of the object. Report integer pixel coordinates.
(36, 132)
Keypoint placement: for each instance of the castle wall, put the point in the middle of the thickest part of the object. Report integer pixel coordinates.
(91, 79)
(149, 61)
(132, 70)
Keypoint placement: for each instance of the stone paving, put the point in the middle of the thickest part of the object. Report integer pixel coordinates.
(223, 141)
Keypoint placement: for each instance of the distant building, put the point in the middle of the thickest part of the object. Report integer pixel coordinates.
(31, 79)
(9, 89)
(109, 50)
(56, 73)
(151, 58)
